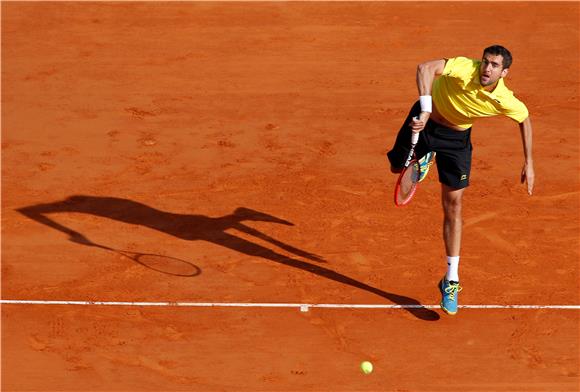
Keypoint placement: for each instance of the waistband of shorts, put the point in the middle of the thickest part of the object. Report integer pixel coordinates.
(438, 128)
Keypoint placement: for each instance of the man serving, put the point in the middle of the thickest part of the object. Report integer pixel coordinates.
(452, 94)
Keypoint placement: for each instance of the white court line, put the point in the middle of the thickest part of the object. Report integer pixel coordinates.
(302, 307)
(268, 1)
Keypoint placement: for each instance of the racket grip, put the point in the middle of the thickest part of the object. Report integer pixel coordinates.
(414, 137)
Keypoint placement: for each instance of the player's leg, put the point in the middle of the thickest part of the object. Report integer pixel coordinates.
(451, 199)
(454, 164)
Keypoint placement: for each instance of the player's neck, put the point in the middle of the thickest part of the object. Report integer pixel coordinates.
(491, 87)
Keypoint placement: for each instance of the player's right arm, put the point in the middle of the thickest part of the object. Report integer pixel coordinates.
(426, 74)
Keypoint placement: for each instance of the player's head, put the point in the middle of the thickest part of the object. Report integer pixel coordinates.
(495, 64)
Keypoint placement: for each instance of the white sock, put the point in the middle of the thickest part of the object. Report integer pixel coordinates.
(452, 268)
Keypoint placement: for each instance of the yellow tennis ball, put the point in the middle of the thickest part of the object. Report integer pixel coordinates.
(366, 367)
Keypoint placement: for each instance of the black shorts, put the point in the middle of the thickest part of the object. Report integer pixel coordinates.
(453, 149)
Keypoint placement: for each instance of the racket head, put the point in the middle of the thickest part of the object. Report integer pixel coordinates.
(166, 264)
(407, 183)
(156, 262)
(161, 263)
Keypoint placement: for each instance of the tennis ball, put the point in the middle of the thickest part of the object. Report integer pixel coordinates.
(366, 367)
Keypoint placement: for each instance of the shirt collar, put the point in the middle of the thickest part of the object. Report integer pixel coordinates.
(498, 91)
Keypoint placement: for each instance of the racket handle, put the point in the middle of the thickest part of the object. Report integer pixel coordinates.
(414, 137)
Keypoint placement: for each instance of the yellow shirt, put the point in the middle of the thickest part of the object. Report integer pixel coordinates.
(460, 98)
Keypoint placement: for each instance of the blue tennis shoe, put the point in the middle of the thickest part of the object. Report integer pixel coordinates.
(425, 164)
(449, 290)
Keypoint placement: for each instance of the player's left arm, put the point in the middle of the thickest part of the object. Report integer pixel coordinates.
(528, 174)
(39, 214)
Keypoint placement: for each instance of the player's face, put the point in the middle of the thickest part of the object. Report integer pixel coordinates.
(491, 69)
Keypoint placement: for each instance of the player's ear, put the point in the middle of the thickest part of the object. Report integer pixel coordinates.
(504, 72)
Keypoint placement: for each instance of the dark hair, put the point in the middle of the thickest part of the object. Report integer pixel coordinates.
(497, 50)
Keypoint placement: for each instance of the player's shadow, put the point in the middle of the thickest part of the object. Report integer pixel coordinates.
(213, 230)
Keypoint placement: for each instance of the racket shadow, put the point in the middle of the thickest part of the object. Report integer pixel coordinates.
(209, 229)
(160, 263)
(165, 264)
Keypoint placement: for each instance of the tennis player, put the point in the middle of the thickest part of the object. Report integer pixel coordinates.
(453, 93)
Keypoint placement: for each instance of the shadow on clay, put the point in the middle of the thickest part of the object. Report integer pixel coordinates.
(204, 228)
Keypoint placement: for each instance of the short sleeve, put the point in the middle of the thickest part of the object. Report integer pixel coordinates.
(516, 110)
(460, 67)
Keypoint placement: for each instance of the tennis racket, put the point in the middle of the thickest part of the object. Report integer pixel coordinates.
(409, 178)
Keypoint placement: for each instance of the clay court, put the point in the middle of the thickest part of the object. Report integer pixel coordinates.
(248, 141)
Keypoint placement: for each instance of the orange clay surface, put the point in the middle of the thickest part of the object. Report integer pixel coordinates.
(249, 140)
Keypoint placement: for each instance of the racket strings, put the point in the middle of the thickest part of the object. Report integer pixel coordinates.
(167, 264)
(408, 183)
